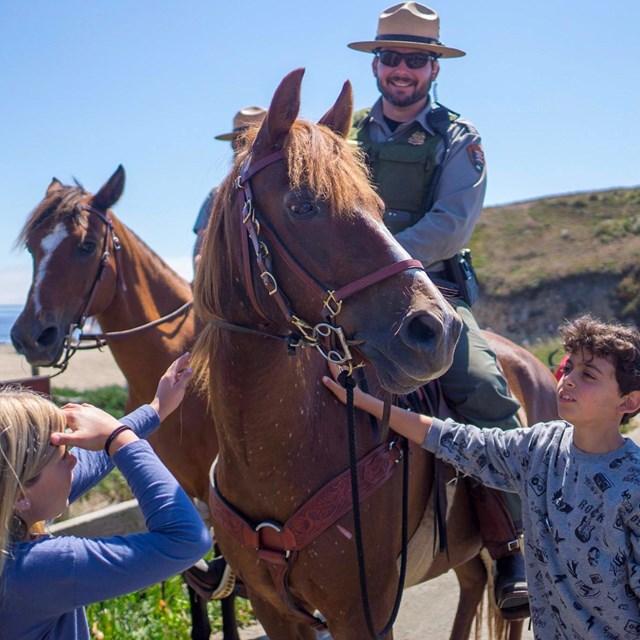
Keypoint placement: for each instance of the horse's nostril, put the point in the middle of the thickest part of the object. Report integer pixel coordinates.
(421, 329)
(47, 337)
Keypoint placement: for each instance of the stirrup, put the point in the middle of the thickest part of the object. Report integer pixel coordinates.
(226, 586)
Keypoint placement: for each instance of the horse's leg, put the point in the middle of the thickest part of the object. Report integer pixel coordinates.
(472, 577)
(277, 625)
(515, 630)
(229, 622)
(200, 626)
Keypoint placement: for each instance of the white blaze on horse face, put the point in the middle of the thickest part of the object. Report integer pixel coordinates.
(48, 245)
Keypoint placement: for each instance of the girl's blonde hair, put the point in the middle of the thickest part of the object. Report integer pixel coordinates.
(27, 420)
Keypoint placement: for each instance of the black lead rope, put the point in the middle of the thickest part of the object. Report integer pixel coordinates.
(349, 383)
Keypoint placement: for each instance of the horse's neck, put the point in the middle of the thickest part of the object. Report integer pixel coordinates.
(146, 289)
(279, 428)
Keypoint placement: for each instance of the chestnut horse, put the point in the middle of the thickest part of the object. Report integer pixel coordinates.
(296, 256)
(87, 263)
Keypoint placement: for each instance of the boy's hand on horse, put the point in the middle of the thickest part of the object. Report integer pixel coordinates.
(361, 399)
(411, 425)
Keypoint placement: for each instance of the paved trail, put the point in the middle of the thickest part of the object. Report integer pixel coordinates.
(426, 614)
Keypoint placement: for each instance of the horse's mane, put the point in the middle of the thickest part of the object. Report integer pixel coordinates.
(317, 159)
(54, 208)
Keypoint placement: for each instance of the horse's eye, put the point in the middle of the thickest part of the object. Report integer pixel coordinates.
(88, 246)
(301, 209)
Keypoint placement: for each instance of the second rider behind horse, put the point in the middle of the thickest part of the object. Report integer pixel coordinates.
(428, 165)
(246, 117)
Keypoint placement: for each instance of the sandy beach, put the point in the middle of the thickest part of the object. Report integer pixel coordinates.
(86, 370)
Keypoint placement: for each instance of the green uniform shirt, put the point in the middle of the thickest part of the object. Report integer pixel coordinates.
(446, 228)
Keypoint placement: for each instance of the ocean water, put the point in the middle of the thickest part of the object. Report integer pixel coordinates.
(8, 315)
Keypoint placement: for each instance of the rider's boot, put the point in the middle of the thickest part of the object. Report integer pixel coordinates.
(502, 541)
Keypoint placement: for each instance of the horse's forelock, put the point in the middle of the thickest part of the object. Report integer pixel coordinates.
(331, 168)
(317, 159)
(52, 209)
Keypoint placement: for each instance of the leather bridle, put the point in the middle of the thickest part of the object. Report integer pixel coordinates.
(327, 337)
(75, 334)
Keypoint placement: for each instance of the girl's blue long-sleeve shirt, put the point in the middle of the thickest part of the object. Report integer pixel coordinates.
(47, 582)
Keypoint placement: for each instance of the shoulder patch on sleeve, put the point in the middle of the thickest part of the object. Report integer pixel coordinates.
(476, 156)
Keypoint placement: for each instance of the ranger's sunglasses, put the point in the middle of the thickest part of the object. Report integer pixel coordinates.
(412, 60)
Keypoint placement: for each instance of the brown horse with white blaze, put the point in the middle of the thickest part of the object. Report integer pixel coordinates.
(296, 252)
(79, 272)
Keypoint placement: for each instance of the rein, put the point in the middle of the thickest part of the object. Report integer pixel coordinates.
(348, 383)
(76, 335)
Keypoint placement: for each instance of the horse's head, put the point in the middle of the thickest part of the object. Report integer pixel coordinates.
(70, 238)
(309, 253)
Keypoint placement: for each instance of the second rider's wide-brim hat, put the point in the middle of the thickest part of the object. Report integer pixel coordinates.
(410, 25)
(244, 118)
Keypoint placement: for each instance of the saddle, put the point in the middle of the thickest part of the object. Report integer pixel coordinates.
(497, 530)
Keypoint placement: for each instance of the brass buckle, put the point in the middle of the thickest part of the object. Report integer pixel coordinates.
(247, 211)
(307, 331)
(330, 299)
(267, 277)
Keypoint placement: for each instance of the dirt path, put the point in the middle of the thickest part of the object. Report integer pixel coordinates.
(87, 369)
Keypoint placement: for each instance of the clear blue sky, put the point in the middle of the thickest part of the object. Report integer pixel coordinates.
(85, 85)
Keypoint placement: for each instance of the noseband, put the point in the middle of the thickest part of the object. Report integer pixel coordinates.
(304, 333)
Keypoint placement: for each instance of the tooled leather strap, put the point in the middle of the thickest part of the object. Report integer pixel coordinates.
(278, 545)
(316, 515)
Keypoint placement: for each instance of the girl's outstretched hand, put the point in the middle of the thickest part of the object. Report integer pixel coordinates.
(172, 386)
(90, 427)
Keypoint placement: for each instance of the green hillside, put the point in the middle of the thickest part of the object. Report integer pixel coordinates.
(528, 245)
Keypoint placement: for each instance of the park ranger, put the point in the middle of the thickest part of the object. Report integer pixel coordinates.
(429, 167)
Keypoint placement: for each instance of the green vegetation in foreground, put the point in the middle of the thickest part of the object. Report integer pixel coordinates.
(158, 613)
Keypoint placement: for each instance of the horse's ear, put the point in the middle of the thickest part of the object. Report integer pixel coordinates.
(110, 191)
(55, 185)
(283, 111)
(338, 118)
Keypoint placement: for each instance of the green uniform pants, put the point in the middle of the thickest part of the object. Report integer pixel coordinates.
(477, 392)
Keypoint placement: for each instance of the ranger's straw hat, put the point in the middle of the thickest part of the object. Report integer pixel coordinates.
(410, 25)
(243, 119)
